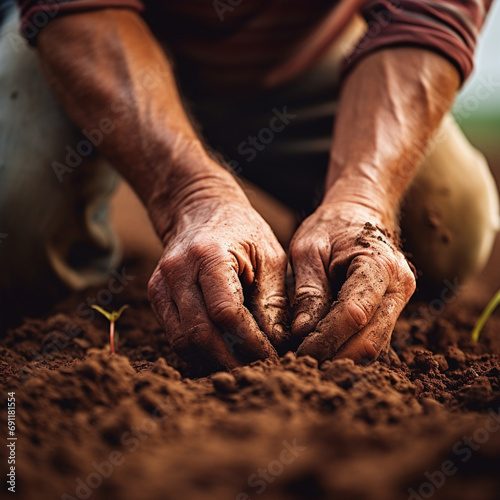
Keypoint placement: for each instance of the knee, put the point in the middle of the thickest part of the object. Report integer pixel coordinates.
(451, 212)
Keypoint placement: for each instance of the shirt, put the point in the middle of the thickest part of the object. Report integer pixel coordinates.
(231, 41)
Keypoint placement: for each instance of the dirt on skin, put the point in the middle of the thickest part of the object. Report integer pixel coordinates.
(423, 422)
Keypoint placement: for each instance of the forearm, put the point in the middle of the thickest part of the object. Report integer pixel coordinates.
(107, 65)
(390, 105)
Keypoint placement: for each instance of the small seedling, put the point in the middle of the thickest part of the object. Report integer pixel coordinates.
(488, 311)
(112, 318)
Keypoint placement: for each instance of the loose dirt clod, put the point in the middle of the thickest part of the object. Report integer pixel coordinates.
(134, 425)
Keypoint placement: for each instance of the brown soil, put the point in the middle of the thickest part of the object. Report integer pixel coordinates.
(423, 423)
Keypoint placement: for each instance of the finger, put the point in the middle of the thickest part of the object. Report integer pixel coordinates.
(168, 316)
(223, 298)
(367, 345)
(167, 311)
(359, 298)
(312, 296)
(163, 306)
(270, 299)
(200, 337)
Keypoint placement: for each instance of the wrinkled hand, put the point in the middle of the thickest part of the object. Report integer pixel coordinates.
(219, 257)
(344, 247)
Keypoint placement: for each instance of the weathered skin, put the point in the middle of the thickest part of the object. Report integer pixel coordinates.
(389, 107)
(215, 243)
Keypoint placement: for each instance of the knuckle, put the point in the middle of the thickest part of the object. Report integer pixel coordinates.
(308, 292)
(299, 250)
(411, 283)
(389, 266)
(392, 265)
(408, 278)
(155, 286)
(275, 300)
(170, 264)
(222, 311)
(357, 314)
(401, 277)
(277, 259)
(201, 249)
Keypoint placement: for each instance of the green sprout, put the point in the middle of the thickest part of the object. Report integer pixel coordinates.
(488, 311)
(112, 318)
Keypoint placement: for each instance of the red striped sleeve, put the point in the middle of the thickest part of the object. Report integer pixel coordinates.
(448, 27)
(36, 14)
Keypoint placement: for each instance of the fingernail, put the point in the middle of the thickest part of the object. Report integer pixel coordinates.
(302, 320)
(308, 347)
(278, 331)
(371, 349)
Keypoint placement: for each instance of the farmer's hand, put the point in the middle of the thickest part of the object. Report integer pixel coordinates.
(390, 105)
(343, 246)
(218, 289)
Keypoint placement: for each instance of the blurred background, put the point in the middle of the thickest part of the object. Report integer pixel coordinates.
(477, 110)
